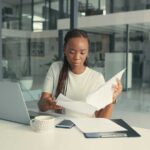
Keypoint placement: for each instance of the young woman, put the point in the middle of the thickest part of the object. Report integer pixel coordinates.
(73, 77)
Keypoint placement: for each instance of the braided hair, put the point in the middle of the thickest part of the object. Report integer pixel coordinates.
(63, 76)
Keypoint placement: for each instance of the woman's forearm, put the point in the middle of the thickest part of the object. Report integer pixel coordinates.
(105, 113)
(43, 103)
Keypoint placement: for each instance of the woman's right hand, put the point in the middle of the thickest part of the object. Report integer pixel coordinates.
(47, 102)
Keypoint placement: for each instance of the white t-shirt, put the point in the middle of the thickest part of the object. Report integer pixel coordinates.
(78, 86)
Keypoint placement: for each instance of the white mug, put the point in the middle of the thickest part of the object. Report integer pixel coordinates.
(42, 123)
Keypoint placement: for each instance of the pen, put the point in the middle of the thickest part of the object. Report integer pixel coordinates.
(105, 135)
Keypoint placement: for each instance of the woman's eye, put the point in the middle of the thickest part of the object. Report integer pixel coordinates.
(71, 52)
(82, 53)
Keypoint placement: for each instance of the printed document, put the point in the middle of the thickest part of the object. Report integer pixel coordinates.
(102, 125)
(94, 101)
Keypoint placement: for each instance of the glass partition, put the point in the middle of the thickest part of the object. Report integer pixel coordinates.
(11, 14)
(26, 11)
(15, 57)
(103, 7)
(36, 15)
(39, 15)
(108, 52)
(38, 18)
(24, 57)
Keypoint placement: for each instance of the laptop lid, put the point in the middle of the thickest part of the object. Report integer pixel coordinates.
(12, 103)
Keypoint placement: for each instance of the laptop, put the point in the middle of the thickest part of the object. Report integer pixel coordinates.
(13, 106)
(12, 103)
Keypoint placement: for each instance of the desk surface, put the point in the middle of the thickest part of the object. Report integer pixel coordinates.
(14, 136)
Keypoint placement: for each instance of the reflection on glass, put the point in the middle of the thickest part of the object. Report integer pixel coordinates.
(11, 15)
(23, 57)
(26, 20)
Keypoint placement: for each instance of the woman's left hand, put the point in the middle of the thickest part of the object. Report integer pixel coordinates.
(117, 88)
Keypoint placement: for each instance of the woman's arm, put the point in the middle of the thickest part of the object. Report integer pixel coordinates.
(104, 113)
(47, 102)
(107, 111)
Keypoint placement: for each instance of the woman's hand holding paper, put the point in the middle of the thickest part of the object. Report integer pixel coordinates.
(117, 89)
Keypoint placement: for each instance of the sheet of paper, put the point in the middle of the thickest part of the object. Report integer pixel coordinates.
(77, 106)
(94, 101)
(103, 96)
(102, 125)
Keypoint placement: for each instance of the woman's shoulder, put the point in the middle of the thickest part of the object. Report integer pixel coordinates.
(97, 76)
(55, 67)
(94, 72)
(57, 64)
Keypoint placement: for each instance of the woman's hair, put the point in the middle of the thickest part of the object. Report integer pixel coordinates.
(63, 76)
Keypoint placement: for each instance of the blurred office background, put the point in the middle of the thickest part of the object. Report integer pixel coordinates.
(119, 32)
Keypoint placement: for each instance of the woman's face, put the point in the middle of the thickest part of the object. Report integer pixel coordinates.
(76, 51)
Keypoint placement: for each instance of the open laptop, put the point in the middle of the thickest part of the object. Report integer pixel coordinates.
(13, 106)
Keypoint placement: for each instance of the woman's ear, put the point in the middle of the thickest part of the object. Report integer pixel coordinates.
(64, 53)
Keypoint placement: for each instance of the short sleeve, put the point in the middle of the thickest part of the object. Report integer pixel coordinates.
(98, 81)
(51, 79)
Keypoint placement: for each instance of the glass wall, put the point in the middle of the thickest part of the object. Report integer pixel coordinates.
(88, 8)
(64, 8)
(103, 7)
(11, 14)
(24, 57)
(36, 15)
(16, 57)
(26, 15)
(44, 51)
(39, 15)
(108, 52)
(126, 5)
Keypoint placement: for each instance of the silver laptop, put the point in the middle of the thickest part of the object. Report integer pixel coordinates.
(13, 106)
(12, 103)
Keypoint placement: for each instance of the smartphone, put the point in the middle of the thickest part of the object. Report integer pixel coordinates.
(65, 124)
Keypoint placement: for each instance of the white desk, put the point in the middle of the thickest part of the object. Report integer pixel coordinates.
(15, 136)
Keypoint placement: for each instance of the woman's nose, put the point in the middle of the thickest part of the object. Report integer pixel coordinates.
(77, 56)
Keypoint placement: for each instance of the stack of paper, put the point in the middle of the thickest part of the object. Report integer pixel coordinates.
(93, 125)
(95, 101)
(103, 96)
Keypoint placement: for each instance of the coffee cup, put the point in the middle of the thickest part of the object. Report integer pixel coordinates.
(42, 123)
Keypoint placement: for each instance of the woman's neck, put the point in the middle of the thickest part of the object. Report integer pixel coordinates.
(78, 70)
